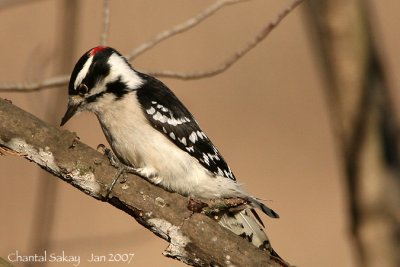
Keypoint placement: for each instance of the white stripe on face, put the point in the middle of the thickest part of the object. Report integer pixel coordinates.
(82, 74)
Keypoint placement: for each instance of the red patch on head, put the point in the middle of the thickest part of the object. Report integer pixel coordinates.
(97, 49)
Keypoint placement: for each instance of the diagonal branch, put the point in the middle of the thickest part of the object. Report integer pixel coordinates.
(265, 31)
(190, 23)
(63, 79)
(194, 239)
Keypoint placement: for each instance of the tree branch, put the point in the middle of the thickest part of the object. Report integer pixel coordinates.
(63, 79)
(265, 31)
(106, 22)
(8, 3)
(190, 23)
(35, 86)
(193, 237)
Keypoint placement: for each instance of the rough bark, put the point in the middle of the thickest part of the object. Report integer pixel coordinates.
(193, 237)
(364, 123)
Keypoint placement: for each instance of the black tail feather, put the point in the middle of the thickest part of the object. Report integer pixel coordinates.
(257, 204)
(270, 212)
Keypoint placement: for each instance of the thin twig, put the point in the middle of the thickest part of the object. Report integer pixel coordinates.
(233, 58)
(35, 86)
(106, 22)
(190, 23)
(63, 79)
(8, 3)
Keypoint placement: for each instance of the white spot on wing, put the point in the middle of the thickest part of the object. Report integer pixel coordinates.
(183, 140)
(159, 117)
(226, 173)
(200, 134)
(175, 122)
(206, 160)
(172, 135)
(213, 156)
(193, 137)
(172, 121)
(151, 111)
(220, 172)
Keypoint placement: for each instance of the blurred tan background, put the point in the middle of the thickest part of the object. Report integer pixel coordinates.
(266, 114)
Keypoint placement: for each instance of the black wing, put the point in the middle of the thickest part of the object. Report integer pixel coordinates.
(170, 117)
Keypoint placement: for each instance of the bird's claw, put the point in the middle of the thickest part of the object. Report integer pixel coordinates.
(110, 155)
(195, 205)
(122, 168)
(102, 146)
(217, 206)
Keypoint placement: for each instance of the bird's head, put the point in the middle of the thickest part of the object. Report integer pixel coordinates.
(101, 76)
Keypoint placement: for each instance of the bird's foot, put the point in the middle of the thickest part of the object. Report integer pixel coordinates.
(115, 162)
(217, 206)
(196, 205)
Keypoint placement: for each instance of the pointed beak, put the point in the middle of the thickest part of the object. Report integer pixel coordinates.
(71, 111)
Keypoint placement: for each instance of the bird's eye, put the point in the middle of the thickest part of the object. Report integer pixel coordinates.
(82, 89)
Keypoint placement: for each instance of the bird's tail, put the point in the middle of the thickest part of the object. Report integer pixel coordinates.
(256, 203)
(247, 224)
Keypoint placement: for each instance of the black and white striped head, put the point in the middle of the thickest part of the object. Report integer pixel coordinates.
(101, 76)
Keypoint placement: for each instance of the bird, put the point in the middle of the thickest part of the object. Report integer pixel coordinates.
(151, 132)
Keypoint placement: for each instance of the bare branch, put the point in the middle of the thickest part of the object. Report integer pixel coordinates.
(236, 56)
(194, 238)
(190, 23)
(35, 86)
(106, 22)
(8, 3)
(63, 79)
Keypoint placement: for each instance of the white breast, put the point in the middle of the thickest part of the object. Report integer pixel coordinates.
(135, 141)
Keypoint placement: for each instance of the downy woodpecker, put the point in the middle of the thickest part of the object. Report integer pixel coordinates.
(150, 130)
